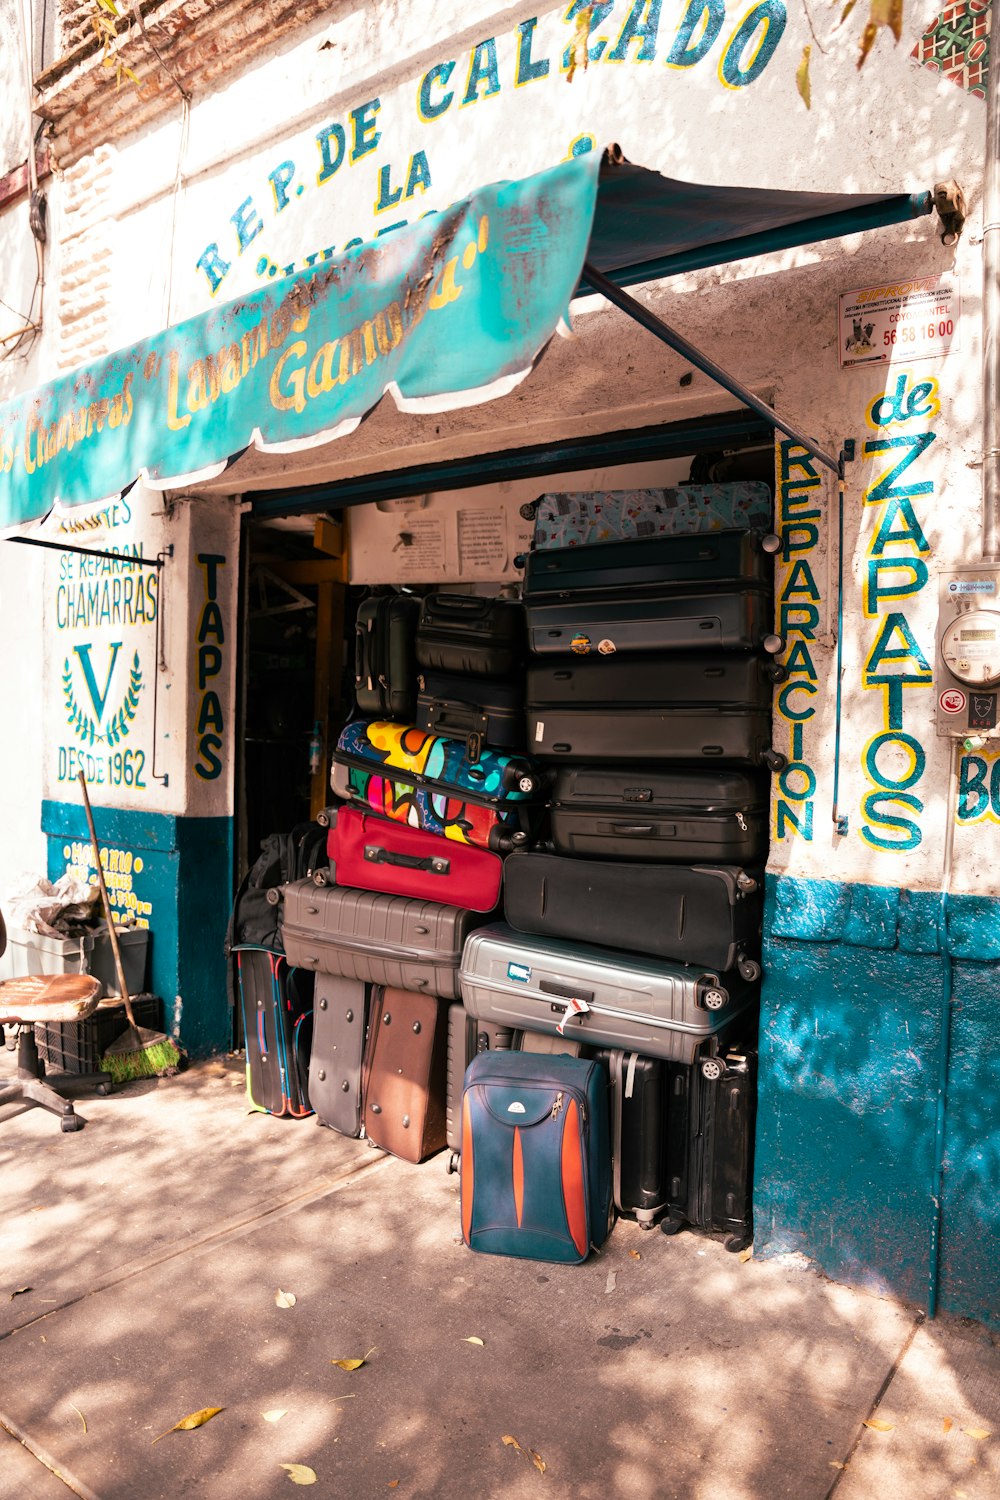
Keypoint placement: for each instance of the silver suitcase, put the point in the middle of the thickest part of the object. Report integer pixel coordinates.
(466, 1039)
(599, 996)
(397, 941)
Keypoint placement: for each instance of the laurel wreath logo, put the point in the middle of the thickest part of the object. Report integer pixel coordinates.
(81, 723)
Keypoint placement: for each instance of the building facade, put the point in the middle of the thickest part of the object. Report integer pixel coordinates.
(261, 142)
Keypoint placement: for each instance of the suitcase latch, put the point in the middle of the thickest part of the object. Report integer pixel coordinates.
(474, 746)
(741, 820)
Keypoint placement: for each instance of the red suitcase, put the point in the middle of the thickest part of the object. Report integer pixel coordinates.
(379, 854)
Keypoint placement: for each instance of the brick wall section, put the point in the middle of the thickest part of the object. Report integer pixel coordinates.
(85, 275)
(74, 23)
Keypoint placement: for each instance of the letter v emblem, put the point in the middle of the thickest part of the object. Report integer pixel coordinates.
(97, 698)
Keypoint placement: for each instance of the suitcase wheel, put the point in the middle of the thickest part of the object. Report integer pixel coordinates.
(274, 895)
(713, 1068)
(323, 817)
(714, 998)
(739, 1241)
(777, 671)
(672, 1226)
(774, 760)
(453, 1162)
(321, 877)
(773, 645)
(749, 969)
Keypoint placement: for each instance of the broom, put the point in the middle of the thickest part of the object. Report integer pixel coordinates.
(138, 1053)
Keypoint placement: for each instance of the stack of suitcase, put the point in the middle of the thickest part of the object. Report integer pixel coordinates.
(415, 864)
(636, 931)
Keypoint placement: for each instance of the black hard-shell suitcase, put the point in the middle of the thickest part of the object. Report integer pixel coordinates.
(654, 680)
(708, 915)
(467, 1037)
(705, 617)
(670, 816)
(739, 736)
(385, 664)
(468, 634)
(706, 557)
(710, 1140)
(640, 1098)
(479, 710)
(276, 1000)
(340, 1018)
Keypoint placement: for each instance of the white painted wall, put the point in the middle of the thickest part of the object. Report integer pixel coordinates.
(893, 126)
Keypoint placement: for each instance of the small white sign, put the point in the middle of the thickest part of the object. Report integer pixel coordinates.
(952, 700)
(900, 320)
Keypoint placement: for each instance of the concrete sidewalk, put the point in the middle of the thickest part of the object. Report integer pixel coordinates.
(155, 1240)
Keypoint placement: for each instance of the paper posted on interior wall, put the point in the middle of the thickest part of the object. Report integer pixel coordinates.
(482, 543)
(419, 546)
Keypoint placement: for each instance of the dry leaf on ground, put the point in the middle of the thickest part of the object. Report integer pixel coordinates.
(635, 1255)
(611, 1282)
(537, 1460)
(19, 1292)
(79, 1413)
(189, 1423)
(284, 1299)
(746, 1254)
(877, 1425)
(299, 1473)
(352, 1364)
(947, 1424)
(472, 1339)
(276, 1414)
(511, 1442)
(979, 1433)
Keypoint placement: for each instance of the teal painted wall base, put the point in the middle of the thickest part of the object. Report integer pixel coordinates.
(853, 1003)
(176, 875)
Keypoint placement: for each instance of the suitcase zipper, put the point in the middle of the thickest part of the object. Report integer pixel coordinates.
(448, 956)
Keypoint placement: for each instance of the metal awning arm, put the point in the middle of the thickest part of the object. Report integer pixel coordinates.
(655, 325)
(118, 557)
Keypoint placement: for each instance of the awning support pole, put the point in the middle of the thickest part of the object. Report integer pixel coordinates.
(667, 335)
(118, 557)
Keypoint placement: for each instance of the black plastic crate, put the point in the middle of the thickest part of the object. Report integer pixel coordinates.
(77, 1046)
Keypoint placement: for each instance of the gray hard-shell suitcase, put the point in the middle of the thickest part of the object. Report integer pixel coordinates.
(718, 617)
(604, 998)
(385, 663)
(467, 1037)
(338, 1044)
(650, 562)
(397, 941)
(671, 734)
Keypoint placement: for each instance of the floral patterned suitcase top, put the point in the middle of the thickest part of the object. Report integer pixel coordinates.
(583, 518)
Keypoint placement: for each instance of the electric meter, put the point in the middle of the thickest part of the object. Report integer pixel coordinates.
(968, 654)
(970, 647)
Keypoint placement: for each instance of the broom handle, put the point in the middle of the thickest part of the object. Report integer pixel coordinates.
(112, 934)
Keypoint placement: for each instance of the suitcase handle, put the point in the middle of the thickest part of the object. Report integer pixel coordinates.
(632, 828)
(433, 864)
(566, 991)
(460, 604)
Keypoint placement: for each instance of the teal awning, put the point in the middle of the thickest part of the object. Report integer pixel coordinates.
(448, 312)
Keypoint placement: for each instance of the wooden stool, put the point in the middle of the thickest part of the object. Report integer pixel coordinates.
(46, 999)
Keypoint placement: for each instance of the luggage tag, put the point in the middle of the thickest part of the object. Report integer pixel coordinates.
(574, 1007)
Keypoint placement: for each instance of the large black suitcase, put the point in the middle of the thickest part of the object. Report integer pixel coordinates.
(702, 617)
(665, 815)
(654, 680)
(706, 915)
(706, 557)
(640, 1099)
(340, 1019)
(276, 1000)
(468, 634)
(385, 666)
(479, 710)
(710, 1137)
(739, 736)
(467, 1037)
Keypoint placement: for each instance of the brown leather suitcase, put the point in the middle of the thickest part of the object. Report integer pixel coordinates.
(404, 1076)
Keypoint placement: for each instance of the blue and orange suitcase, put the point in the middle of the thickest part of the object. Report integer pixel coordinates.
(276, 1000)
(536, 1156)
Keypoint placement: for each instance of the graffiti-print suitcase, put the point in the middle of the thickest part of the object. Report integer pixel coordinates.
(735, 617)
(373, 853)
(479, 710)
(403, 1076)
(340, 1017)
(536, 1156)
(471, 635)
(646, 812)
(602, 997)
(639, 1109)
(399, 941)
(582, 518)
(276, 1002)
(385, 664)
(637, 680)
(467, 1037)
(710, 1140)
(709, 915)
(649, 562)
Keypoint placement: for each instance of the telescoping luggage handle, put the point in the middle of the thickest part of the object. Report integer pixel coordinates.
(433, 864)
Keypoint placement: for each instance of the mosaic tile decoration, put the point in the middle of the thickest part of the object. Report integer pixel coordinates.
(958, 45)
